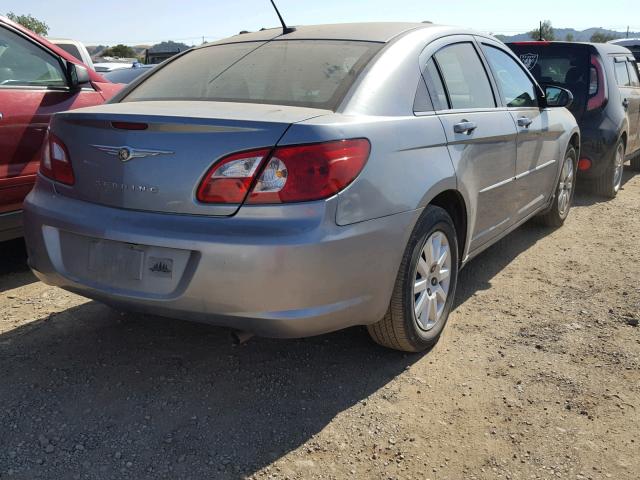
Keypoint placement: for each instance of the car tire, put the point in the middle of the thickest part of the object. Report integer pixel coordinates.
(608, 184)
(424, 270)
(635, 162)
(565, 189)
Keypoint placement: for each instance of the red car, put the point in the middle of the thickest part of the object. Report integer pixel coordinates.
(37, 79)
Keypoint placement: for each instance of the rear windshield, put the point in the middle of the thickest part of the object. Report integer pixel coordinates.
(561, 65)
(307, 73)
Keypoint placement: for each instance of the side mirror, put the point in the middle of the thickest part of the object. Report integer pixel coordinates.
(78, 75)
(558, 96)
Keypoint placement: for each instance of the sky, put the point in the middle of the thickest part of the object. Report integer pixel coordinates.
(133, 22)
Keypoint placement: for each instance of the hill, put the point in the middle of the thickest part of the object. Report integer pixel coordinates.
(578, 35)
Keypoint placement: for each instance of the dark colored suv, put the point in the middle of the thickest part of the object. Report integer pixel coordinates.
(604, 81)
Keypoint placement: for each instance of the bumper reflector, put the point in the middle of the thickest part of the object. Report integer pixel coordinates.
(584, 164)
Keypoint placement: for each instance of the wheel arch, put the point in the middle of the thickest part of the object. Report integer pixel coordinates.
(574, 141)
(454, 204)
(624, 138)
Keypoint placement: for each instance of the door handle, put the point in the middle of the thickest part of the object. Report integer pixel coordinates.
(524, 122)
(625, 103)
(464, 127)
(1, 116)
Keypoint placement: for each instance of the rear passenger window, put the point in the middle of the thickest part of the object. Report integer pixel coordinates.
(464, 76)
(422, 102)
(436, 88)
(516, 88)
(633, 74)
(622, 74)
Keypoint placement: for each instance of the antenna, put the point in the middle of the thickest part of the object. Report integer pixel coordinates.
(540, 32)
(285, 29)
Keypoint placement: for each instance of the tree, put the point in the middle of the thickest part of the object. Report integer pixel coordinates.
(169, 46)
(544, 33)
(569, 37)
(119, 50)
(602, 37)
(30, 22)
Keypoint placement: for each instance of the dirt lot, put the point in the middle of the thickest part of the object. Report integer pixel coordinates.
(536, 376)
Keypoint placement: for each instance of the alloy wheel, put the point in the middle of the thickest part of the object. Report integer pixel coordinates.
(618, 167)
(565, 187)
(431, 280)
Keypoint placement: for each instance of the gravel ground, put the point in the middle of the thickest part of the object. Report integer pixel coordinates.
(536, 376)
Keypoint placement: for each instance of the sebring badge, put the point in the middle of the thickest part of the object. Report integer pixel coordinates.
(127, 153)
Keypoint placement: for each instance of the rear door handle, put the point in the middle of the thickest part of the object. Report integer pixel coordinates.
(524, 122)
(625, 103)
(464, 127)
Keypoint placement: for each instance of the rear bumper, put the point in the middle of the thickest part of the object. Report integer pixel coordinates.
(281, 271)
(598, 145)
(10, 225)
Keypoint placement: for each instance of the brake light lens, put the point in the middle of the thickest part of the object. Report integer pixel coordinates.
(533, 42)
(56, 163)
(229, 180)
(296, 173)
(597, 84)
(301, 173)
(129, 125)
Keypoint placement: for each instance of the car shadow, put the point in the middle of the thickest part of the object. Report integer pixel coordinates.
(152, 396)
(585, 198)
(120, 393)
(478, 273)
(14, 271)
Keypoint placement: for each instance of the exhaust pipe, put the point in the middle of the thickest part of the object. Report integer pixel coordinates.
(238, 337)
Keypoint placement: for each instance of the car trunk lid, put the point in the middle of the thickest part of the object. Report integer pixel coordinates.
(151, 156)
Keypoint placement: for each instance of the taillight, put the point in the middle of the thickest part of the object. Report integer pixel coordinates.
(56, 163)
(597, 84)
(296, 173)
(533, 42)
(301, 173)
(228, 181)
(129, 125)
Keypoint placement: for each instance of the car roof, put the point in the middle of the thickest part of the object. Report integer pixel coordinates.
(369, 32)
(606, 48)
(625, 41)
(58, 41)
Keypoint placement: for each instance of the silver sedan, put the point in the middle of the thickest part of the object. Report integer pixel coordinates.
(291, 184)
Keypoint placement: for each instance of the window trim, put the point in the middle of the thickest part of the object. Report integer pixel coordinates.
(533, 81)
(616, 62)
(61, 61)
(632, 64)
(421, 81)
(496, 104)
(429, 91)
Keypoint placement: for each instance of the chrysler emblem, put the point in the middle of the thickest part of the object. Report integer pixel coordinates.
(125, 153)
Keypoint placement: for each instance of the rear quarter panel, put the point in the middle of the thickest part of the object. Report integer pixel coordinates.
(408, 165)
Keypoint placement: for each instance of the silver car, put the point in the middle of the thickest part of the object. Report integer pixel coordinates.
(294, 184)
